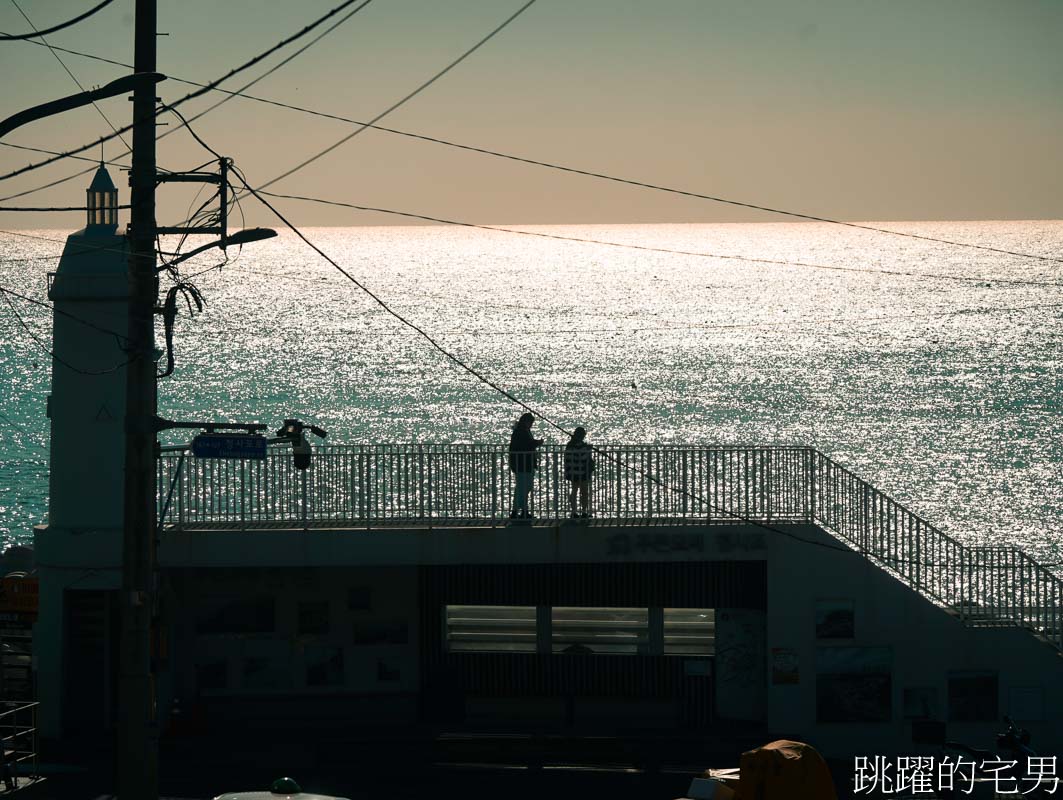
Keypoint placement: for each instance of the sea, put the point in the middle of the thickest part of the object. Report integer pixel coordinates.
(943, 393)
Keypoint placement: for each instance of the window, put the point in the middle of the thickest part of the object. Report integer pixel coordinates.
(614, 631)
(689, 631)
(490, 629)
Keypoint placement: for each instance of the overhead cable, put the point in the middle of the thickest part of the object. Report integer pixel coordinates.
(73, 77)
(48, 185)
(85, 322)
(24, 432)
(696, 253)
(576, 170)
(207, 87)
(890, 560)
(270, 71)
(51, 208)
(513, 398)
(108, 162)
(7, 297)
(405, 99)
(6, 37)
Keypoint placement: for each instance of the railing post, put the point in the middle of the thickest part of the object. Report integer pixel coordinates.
(304, 498)
(813, 464)
(243, 495)
(685, 483)
(181, 494)
(494, 484)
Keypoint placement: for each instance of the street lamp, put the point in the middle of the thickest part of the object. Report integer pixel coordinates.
(246, 236)
(118, 86)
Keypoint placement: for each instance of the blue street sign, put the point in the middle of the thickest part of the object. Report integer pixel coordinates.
(229, 445)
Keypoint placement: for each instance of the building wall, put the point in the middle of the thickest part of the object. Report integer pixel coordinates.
(243, 638)
(920, 644)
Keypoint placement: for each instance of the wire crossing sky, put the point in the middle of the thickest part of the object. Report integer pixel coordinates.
(853, 110)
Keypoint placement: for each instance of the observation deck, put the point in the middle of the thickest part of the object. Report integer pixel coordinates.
(642, 497)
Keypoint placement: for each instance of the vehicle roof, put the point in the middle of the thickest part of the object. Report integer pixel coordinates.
(271, 796)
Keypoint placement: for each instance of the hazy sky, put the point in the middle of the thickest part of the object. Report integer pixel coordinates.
(858, 109)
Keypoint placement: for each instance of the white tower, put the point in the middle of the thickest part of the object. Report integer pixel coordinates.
(79, 551)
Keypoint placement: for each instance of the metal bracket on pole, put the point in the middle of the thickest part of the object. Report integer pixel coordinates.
(222, 181)
(168, 424)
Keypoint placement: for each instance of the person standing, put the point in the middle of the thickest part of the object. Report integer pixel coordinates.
(579, 466)
(523, 461)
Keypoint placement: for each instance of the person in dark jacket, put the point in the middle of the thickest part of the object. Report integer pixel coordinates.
(579, 466)
(523, 461)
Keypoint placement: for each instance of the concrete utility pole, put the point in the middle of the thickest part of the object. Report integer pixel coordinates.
(137, 743)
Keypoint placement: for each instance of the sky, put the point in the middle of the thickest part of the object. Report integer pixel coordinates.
(850, 109)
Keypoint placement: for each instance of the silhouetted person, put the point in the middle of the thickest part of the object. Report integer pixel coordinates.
(523, 461)
(579, 466)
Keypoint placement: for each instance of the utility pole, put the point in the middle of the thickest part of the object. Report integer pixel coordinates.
(137, 744)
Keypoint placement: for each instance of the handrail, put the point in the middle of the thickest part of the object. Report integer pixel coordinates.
(368, 484)
(995, 585)
(363, 485)
(18, 727)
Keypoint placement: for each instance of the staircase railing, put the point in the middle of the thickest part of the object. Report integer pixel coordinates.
(995, 585)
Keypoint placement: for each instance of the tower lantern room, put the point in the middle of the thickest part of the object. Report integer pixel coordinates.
(102, 203)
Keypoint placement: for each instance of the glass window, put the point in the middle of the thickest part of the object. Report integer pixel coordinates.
(490, 629)
(586, 630)
(689, 631)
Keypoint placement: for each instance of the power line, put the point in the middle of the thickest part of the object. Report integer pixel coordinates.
(120, 336)
(108, 162)
(405, 99)
(246, 65)
(49, 185)
(457, 361)
(50, 208)
(514, 399)
(7, 293)
(270, 71)
(24, 432)
(72, 76)
(735, 326)
(17, 37)
(569, 169)
(699, 254)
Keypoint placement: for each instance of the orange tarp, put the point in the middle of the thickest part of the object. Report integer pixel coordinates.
(785, 770)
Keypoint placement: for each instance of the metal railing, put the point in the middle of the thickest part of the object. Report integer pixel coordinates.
(985, 586)
(18, 740)
(371, 485)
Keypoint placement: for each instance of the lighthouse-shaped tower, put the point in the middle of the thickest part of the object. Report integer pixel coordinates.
(79, 550)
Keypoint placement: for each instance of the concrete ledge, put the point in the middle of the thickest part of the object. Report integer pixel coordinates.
(560, 543)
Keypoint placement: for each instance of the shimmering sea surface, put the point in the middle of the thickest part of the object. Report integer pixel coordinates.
(944, 394)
